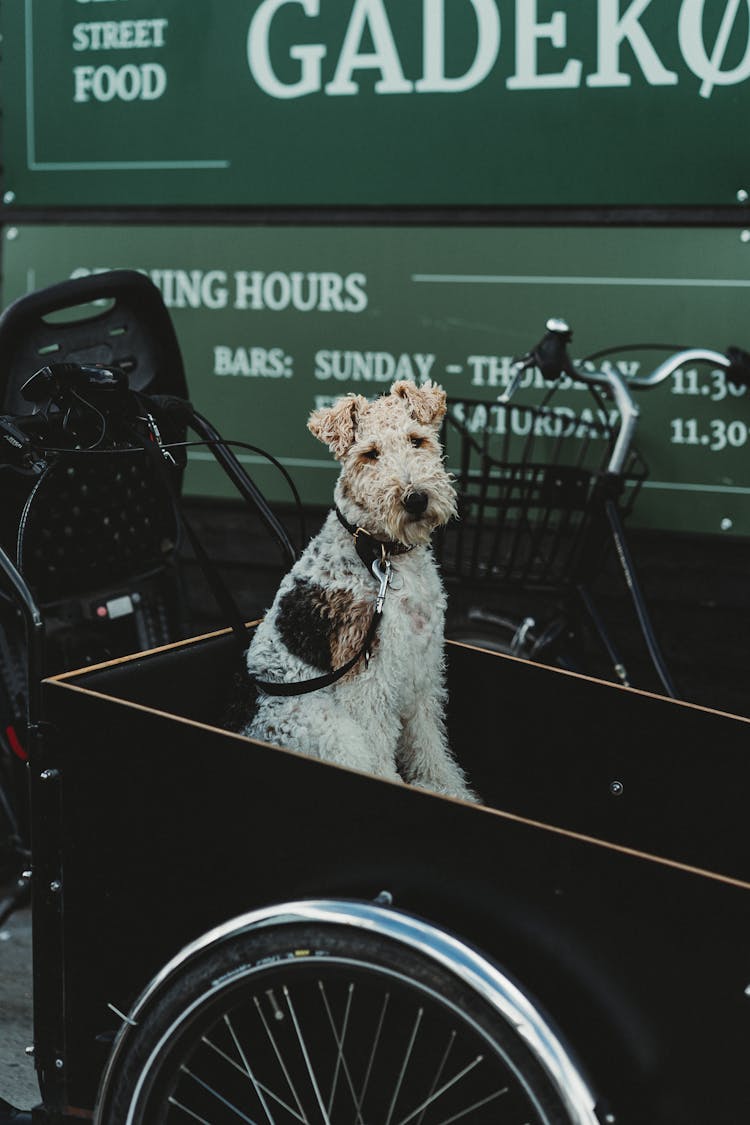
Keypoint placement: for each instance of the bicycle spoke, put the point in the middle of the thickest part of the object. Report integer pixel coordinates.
(371, 1060)
(477, 1105)
(189, 1112)
(340, 1060)
(248, 1071)
(282, 1064)
(266, 1090)
(306, 1056)
(405, 1064)
(438, 1073)
(220, 1097)
(439, 1092)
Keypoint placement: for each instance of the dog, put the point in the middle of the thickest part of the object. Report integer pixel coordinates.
(348, 663)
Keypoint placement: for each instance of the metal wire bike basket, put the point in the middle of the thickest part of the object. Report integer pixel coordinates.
(532, 481)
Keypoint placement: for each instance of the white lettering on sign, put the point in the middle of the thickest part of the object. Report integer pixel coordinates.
(528, 32)
(192, 289)
(714, 434)
(255, 290)
(145, 82)
(716, 386)
(499, 371)
(433, 78)
(181, 289)
(119, 35)
(559, 422)
(612, 30)
(368, 16)
(259, 59)
(372, 367)
(264, 363)
(369, 44)
(306, 292)
(693, 46)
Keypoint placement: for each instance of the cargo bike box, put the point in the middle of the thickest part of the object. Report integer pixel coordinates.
(230, 931)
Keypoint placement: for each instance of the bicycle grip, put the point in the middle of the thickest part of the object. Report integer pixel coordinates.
(738, 371)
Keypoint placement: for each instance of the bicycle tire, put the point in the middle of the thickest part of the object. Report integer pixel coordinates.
(326, 1025)
(505, 635)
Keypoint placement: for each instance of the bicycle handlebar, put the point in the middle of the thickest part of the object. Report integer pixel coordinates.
(551, 356)
(675, 361)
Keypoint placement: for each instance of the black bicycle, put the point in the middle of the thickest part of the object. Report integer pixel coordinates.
(544, 490)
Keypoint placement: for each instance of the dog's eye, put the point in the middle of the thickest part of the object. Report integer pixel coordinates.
(417, 441)
(371, 454)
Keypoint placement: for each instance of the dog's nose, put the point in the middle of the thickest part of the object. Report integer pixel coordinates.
(416, 503)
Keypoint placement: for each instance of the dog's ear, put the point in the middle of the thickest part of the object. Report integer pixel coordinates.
(427, 403)
(337, 425)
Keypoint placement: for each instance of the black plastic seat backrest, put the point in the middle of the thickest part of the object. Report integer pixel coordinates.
(133, 331)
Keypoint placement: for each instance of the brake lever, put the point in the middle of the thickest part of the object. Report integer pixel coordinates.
(520, 366)
(738, 371)
(550, 355)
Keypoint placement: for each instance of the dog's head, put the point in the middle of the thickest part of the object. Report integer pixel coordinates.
(393, 481)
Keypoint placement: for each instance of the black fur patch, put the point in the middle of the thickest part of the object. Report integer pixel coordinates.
(305, 626)
(243, 702)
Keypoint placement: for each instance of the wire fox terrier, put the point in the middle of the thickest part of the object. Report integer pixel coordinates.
(348, 663)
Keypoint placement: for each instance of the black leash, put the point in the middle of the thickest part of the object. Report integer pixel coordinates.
(375, 554)
(304, 687)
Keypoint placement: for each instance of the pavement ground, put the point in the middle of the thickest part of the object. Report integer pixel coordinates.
(18, 1084)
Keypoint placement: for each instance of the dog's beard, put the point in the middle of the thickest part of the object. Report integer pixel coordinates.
(383, 514)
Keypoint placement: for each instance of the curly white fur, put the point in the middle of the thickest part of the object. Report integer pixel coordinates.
(388, 717)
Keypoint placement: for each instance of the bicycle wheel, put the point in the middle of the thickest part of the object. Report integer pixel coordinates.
(549, 643)
(328, 1025)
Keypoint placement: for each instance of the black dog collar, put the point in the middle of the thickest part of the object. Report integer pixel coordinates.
(368, 547)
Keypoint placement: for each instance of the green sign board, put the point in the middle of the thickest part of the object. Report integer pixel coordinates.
(273, 321)
(375, 102)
